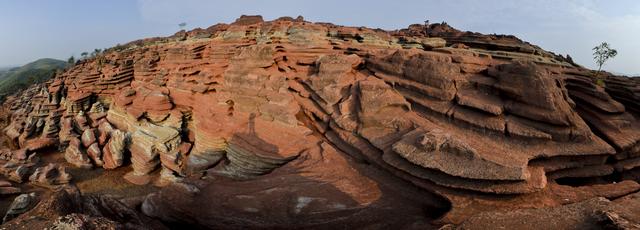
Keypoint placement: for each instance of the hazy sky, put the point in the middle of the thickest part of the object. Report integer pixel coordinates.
(33, 29)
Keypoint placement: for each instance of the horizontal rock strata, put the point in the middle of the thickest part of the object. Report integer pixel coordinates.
(472, 118)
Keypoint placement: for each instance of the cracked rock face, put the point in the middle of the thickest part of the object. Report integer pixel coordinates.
(313, 121)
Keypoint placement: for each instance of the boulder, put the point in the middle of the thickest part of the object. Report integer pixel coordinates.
(95, 154)
(113, 151)
(430, 43)
(15, 171)
(81, 122)
(104, 132)
(20, 205)
(88, 137)
(147, 144)
(51, 175)
(76, 155)
(6, 188)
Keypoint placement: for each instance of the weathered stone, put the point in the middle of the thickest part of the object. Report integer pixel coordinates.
(66, 208)
(438, 150)
(95, 154)
(6, 188)
(76, 156)
(20, 205)
(51, 175)
(88, 137)
(113, 152)
(430, 43)
(81, 122)
(16, 171)
(595, 213)
(146, 145)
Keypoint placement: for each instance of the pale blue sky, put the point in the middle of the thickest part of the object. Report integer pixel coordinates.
(31, 29)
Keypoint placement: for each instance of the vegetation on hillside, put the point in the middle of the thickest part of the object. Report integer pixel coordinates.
(16, 79)
(601, 54)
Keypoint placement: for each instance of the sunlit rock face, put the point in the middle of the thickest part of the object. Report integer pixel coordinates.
(291, 123)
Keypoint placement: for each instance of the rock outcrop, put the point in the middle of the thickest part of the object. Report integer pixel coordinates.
(66, 208)
(50, 175)
(7, 188)
(330, 115)
(20, 205)
(596, 213)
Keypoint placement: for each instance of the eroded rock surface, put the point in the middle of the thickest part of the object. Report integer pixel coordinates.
(66, 208)
(596, 213)
(333, 121)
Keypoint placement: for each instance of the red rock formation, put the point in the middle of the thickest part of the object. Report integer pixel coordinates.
(331, 116)
(6, 188)
(50, 175)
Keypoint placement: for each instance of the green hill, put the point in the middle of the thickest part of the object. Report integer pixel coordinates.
(18, 78)
(4, 70)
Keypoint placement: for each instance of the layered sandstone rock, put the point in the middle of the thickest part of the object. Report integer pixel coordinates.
(76, 155)
(6, 188)
(148, 144)
(113, 151)
(484, 122)
(50, 175)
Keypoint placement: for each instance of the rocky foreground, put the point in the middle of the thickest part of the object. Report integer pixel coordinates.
(293, 124)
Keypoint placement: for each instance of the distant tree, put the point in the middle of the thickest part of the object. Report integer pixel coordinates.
(182, 25)
(118, 47)
(84, 55)
(602, 53)
(96, 52)
(71, 60)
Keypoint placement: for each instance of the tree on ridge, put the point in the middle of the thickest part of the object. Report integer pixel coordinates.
(601, 54)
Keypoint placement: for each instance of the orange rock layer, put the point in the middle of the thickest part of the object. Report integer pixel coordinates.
(486, 122)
